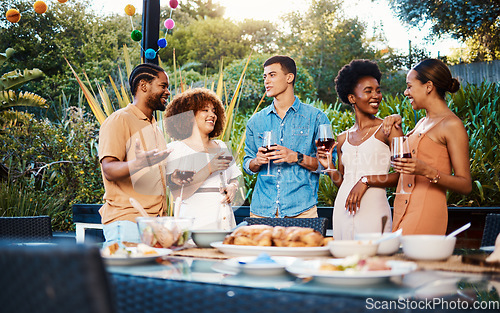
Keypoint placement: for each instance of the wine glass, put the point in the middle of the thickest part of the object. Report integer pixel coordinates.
(326, 141)
(268, 142)
(184, 172)
(400, 149)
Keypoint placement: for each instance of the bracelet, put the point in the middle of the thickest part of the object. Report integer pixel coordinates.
(169, 179)
(436, 179)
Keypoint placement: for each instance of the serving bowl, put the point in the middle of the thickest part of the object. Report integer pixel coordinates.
(345, 248)
(204, 237)
(165, 231)
(428, 247)
(386, 247)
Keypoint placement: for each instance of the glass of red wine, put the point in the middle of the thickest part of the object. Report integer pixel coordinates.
(226, 157)
(185, 171)
(268, 142)
(326, 141)
(400, 150)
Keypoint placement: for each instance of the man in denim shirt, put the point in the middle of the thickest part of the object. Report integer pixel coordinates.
(292, 191)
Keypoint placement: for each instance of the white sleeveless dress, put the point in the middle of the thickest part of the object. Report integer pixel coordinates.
(371, 157)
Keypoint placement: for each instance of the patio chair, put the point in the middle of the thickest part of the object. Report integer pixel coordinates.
(51, 278)
(491, 230)
(26, 228)
(318, 223)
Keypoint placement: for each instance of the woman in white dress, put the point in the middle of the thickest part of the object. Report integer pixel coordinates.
(194, 118)
(363, 155)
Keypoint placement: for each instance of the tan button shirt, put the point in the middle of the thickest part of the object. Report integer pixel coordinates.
(117, 138)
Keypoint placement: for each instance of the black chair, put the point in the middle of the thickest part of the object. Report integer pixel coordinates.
(491, 229)
(51, 278)
(26, 228)
(318, 223)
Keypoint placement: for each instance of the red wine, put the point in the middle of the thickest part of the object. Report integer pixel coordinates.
(267, 148)
(184, 175)
(325, 143)
(225, 157)
(401, 156)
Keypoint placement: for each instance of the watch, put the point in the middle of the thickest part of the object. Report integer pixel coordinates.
(364, 180)
(300, 157)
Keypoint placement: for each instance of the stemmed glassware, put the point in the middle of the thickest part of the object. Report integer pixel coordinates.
(326, 141)
(269, 141)
(400, 149)
(185, 172)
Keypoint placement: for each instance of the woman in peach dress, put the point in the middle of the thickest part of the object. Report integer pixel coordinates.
(439, 145)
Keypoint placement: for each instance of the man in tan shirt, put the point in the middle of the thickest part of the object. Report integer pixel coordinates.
(132, 152)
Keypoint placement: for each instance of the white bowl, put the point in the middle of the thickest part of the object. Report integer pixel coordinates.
(345, 248)
(386, 247)
(428, 247)
(203, 238)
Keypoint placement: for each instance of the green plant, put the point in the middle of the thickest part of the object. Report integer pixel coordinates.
(18, 198)
(55, 160)
(478, 107)
(14, 79)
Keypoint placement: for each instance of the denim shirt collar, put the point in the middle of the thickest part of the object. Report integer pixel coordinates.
(295, 106)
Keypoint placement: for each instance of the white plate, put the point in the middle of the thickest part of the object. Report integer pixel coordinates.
(303, 268)
(237, 250)
(119, 260)
(245, 265)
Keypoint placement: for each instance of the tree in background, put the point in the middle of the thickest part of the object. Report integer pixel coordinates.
(476, 22)
(206, 41)
(324, 40)
(261, 35)
(70, 30)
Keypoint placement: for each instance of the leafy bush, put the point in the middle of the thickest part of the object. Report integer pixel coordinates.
(53, 164)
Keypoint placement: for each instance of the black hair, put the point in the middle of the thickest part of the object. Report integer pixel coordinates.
(351, 73)
(144, 71)
(439, 74)
(287, 64)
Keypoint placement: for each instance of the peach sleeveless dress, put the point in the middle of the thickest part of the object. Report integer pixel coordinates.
(424, 211)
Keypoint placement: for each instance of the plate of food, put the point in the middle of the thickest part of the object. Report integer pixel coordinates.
(262, 265)
(275, 241)
(353, 270)
(119, 255)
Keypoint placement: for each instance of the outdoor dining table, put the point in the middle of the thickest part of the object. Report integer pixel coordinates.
(198, 280)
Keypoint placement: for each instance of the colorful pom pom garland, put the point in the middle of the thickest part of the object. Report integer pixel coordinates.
(40, 7)
(136, 35)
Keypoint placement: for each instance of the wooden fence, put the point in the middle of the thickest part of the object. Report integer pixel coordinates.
(476, 73)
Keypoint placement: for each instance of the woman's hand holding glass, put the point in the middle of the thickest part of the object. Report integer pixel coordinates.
(219, 163)
(400, 156)
(181, 177)
(323, 156)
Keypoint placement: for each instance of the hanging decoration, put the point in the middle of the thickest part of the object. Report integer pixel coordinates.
(136, 34)
(40, 7)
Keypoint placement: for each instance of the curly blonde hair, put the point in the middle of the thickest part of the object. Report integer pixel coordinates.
(193, 100)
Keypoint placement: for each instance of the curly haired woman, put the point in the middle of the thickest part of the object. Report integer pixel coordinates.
(194, 118)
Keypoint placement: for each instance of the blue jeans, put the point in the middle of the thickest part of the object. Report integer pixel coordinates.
(121, 231)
